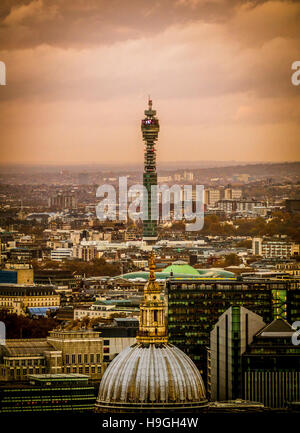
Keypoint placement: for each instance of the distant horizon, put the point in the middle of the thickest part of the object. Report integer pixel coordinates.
(136, 164)
(163, 168)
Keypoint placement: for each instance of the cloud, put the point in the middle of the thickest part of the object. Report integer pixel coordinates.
(254, 26)
(25, 14)
(79, 23)
(195, 60)
(79, 72)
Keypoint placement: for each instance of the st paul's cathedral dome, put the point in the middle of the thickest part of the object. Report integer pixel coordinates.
(151, 375)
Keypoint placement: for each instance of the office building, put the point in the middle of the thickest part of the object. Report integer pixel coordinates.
(232, 194)
(292, 268)
(252, 207)
(274, 248)
(85, 252)
(19, 299)
(63, 351)
(271, 366)
(228, 341)
(22, 255)
(227, 206)
(16, 274)
(195, 305)
(81, 351)
(61, 254)
(117, 337)
(214, 195)
(106, 310)
(58, 393)
(58, 277)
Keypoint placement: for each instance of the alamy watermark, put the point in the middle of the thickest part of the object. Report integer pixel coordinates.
(2, 333)
(133, 203)
(296, 334)
(295, 78)
(2, 74)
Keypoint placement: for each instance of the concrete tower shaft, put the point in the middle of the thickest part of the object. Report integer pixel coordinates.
(150, 129)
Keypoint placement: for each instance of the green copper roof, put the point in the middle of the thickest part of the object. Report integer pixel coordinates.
(181, 268)
(200, 273)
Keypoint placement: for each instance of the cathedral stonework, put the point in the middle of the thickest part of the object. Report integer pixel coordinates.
(151, 375)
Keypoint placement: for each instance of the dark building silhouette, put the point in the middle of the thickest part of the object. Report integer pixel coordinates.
(195, 305)
(271, 366)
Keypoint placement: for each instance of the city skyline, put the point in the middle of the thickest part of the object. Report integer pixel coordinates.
(219, 72)
(149, 211)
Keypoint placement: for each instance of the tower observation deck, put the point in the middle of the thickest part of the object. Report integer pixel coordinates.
(150, 129)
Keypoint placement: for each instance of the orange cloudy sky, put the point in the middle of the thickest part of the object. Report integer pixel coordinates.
(218, 71)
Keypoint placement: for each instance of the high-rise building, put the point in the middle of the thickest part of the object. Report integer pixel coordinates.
(232, 194)
(271, 366)
(150, 129)
(195, 305)
(228, 341)
(214, 196)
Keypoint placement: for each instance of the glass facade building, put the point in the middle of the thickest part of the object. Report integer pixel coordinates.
(195, 305)
(271, 366)
(229, 339)
(48, 393)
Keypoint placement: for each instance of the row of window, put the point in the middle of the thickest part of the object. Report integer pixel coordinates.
(25, 371)
(24, 362)
(82, 370)
(21, 293)
(220, 287)
(82, 358)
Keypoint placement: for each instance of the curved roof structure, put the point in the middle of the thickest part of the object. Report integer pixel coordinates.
(151, 375)
(149, 378)
(179, 270)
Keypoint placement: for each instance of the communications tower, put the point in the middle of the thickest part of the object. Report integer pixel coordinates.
(150, 129)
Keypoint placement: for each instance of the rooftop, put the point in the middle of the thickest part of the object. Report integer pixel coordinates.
(31, 347)
(277, 328)
(69, 376)
(179, 269)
